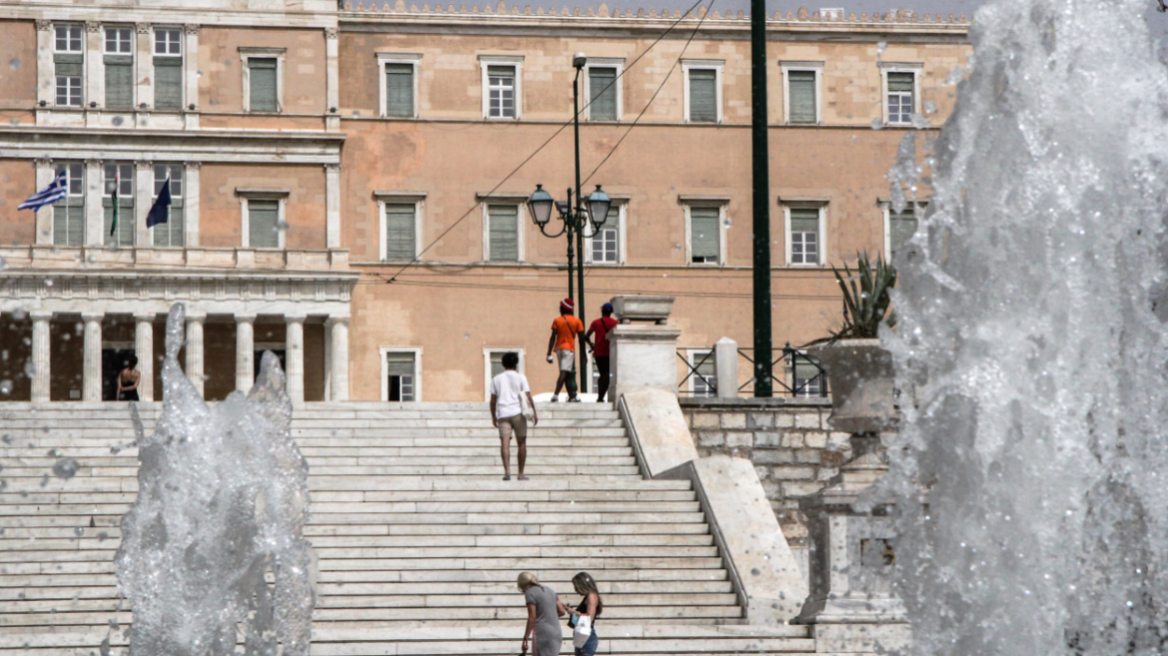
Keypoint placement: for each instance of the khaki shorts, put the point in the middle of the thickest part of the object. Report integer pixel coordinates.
(518, 423)
(567, 359)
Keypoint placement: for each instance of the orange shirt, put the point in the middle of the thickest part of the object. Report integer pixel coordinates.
(567, 327)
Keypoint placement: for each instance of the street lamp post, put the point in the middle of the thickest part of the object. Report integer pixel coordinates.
(576, 218)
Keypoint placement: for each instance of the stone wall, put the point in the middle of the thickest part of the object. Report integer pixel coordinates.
(793, 449)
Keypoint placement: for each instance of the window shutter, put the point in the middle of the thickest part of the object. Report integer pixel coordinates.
(168, 83)
(703, 234)
(399, 364)
(69, 65)
(703, 95)
(69, 223)
(400, 235)
(602, 87)
(902, 226)
(172, 232)
(124, 235)
(501, 71)
(802, 96)
(504, 233)
(119, 81)
(496, 363)
(262, 216)
(901, 82)
(805, 220)
(262, 89)
(399, 90)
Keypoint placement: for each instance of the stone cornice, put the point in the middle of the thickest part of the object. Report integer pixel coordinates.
(65, 11)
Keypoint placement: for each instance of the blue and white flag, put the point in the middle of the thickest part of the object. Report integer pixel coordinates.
(57, 190)
(160, 211)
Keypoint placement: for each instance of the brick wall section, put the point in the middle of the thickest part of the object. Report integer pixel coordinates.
(793, 449)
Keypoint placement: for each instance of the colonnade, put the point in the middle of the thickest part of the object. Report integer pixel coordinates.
(336, 340)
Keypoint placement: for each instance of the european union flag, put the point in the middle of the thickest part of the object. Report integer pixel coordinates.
(160, 210)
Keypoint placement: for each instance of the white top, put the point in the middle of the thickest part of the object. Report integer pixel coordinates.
(508, 387)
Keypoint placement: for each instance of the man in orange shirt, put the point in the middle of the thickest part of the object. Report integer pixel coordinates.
(563, 340)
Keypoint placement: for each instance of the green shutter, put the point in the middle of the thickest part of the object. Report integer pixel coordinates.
(125, 232)
(802, 96)
(399, 364)
(703, 234)
(504, 233)
(399, 90)
(168, 83)
(262, 89)
(602, 87)
(171, 233)
(119, 81)
(902, 226)
(69, 222)
(400, 236)
(703, 95)
(805, 220)
(69, 65)
(501, 71)
(901, 82)
(262, 217)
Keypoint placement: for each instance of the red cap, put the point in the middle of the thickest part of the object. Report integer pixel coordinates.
(568, 304)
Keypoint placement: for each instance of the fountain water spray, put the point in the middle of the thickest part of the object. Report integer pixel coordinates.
(1033, 462)
(212, 550)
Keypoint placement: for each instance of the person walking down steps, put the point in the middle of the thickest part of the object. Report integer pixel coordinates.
(544, 609)
(563, 341)
(509, 390)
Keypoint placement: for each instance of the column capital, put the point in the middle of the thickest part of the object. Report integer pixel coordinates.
(142, 28)
(333, 167)
(331, 32)
(94, 162)
(245, 318)
(93, 27)
(44, 161)
(194, 166)
(195, 317)
(191, 28)
(332, 321)
(143, 164)
(295, 318)
(92, 316)
(145, 317)
(41, 315)
(44, 25)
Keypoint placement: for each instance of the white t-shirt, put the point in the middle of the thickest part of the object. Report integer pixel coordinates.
(508, 386)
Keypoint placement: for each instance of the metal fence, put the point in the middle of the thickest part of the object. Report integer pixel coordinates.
(794, 374)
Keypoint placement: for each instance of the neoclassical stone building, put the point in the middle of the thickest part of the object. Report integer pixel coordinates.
(314, 151)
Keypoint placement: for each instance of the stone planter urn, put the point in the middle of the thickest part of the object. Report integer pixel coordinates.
(862, 379)
(655, 309)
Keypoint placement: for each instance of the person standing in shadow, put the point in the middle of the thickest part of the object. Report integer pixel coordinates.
(128, 380)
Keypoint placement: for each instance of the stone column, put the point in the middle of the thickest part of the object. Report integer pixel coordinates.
(191, 76)
(338, 336)
(195, 350)
(332, 93)
(40, 356)
(294, 353)
(46, 80)
(144, 66)
(244, 352)
(91, 381)
(44, 216)
(94, 65)
(191, 204)
(144, 349)
(726, 368)
(332, 194)
(94, 212)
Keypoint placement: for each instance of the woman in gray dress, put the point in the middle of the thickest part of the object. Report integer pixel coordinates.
(543, 612)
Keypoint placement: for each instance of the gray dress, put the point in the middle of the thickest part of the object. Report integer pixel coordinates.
(549, 637)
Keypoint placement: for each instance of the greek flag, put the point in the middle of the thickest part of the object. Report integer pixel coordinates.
(56, 191)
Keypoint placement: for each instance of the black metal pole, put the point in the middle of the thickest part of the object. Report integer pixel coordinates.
(578, 213)
(571, 250)
(762, 217)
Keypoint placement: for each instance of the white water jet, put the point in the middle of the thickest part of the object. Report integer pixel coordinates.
(212, 550)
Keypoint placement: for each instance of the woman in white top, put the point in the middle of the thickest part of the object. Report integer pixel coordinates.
(507, 391)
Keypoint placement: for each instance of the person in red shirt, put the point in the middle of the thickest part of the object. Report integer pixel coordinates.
(600, 351)
(563, 340)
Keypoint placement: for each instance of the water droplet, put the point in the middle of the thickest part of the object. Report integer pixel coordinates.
(65, 469)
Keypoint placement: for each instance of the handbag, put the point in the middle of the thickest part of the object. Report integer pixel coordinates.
(582, 632)
(526, 408)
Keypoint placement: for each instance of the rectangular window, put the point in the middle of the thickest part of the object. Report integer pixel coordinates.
(503, 233)
(801, 96)
(401, 237)
(901, 227)
(168, 67)
(119, 68)
(804, 235)
(69, 65)
(121, 177)
(808, 379)
(704, 237)
(704, 382)
(501, 91)
(703, 95)
(399, 90)
(497, 363)
(263, 218)
(602, 88)
(69, 214)
(171, 233)
(401, 370)
(262, 84)
(605, 245)
(901, 87)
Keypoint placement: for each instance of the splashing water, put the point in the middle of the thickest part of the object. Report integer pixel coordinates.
(1032, 467)
(222, 502)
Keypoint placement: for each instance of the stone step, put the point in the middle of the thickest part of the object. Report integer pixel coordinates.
(86, 471)
(485, 430)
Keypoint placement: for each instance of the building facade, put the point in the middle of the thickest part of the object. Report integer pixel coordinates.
(349, 183)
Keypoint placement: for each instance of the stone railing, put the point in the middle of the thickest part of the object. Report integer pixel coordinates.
(77, 257)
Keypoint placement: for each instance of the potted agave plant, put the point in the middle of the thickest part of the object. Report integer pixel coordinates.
(860, 370)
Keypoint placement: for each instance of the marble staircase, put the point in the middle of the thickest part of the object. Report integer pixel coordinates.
(419, 539)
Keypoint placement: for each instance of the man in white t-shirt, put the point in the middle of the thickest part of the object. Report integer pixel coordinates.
(507, 392)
